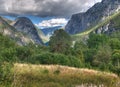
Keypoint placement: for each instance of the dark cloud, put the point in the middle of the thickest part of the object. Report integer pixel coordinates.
(44, 7)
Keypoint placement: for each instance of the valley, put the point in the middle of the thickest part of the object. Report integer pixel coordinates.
(83, 53)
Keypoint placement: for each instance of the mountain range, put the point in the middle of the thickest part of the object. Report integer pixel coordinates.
(49, 31)
(103, 17)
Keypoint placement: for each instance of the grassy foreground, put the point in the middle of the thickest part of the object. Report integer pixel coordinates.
(27, 75)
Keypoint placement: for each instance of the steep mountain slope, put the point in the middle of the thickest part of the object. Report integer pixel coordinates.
(11, 32)
(42, 35)
(7, 20)
(24, 25)
(19, 37)
(4, 27)
(109, 25)
(82, 21)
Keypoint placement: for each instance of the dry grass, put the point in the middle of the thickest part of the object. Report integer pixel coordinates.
(27, 75)
(23, 68)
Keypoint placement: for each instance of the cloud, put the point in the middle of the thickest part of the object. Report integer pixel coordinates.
(44, 7)
(52, 22)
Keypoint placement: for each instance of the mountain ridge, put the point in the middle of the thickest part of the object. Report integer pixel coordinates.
(21, 38)
(82, 21)
(25, 25)
(110, 25)
(50, 30)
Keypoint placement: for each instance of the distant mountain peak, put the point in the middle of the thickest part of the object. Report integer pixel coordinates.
(49, 31)
(23, 19)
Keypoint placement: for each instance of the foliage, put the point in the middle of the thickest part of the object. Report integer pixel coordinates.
(114, 43)
(116, 70)
(60, 41)
(55, 58)
(95, 40)
(6, 76)
(116, 58)
(98, 52)
(104, 54)
(102, 57)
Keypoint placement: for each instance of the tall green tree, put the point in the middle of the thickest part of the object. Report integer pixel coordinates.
(114, 43)
(95, 40)
(79, 49)
(116, 58)
(60, 41)
(102, 57)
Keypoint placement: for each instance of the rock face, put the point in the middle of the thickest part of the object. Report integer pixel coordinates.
(82, 21)
(24, 25)
(11, 32)
(6, 29)
(110, 27)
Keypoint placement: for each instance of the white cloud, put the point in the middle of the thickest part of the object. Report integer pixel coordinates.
(52, 22)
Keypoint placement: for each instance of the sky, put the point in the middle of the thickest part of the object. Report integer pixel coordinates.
(45, 13)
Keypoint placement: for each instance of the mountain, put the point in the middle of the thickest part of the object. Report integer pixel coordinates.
(7, 20)
(98, 13)
(11, 32)
(42, 35)
(25, 25)
(49, 31)
(110, 25)
(6, 29)
(19, 36)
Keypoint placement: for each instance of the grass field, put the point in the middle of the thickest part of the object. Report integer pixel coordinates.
(27, 75)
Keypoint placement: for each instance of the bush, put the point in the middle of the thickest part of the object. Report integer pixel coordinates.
(57, 72)
(46, 71)
(9, 54)
(116, 70)
(6, 76)
(54, 58)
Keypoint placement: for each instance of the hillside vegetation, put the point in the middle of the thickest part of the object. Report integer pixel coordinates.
(18, 64)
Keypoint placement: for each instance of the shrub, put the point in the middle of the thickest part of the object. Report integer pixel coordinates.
(116, 70)
(6, 76)
(55, 58)
(56, 72)
(46, 71)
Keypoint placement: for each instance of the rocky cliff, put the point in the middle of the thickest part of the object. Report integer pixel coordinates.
(25, 25)
(111, 26)
(11, 32)
(23, 32)
(82, 21)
